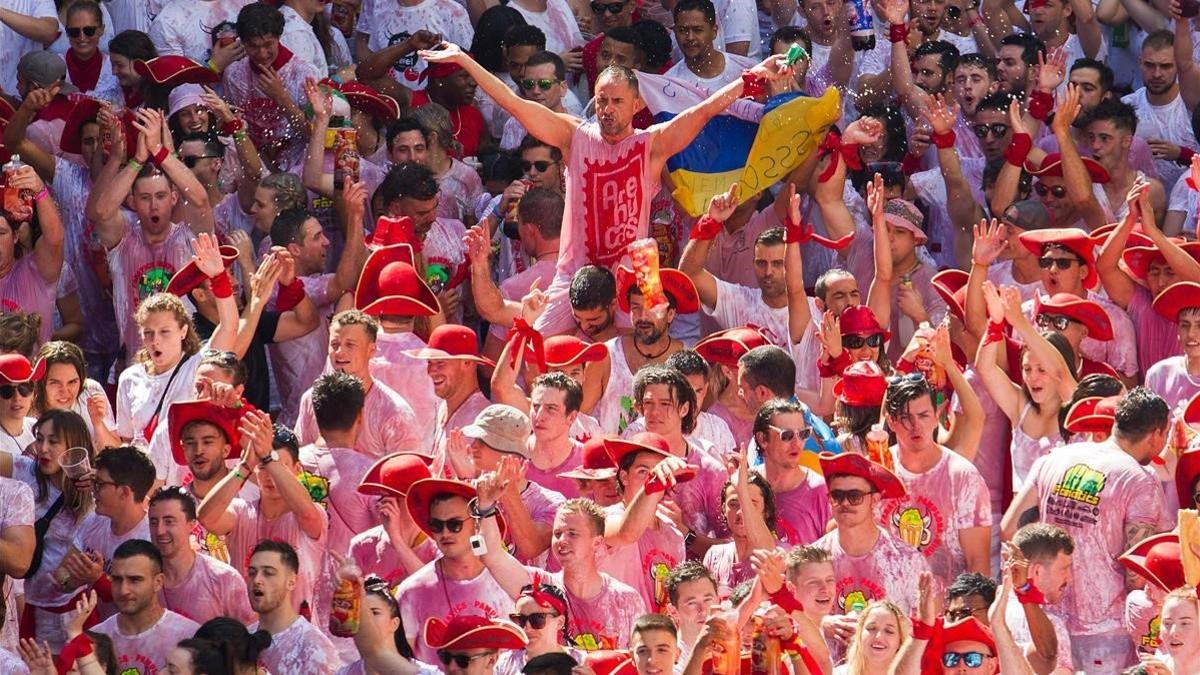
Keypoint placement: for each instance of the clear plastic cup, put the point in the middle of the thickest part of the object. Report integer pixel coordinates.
(75, 463)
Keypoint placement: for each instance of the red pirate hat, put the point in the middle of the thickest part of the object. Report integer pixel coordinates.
(1137, 237)
(646, 441)
(1186, 472)
(951, 285)
(84, 111)
(862, 385)
(727, 346)
(16, 369)
(1052, 166)
(380, 106)
(471, 631)
(393, 475)
(183, 413)
(1072, 238)
(172, 71)
(567, 350)
(609, 662)
(853, 464)
(860, 320)
(1176, 298)
(969, 629)
(597, 463)
(451, 341)
(1092, 415)
(389, 284)
(1139, 258)
(189, 277)
(1157, 560)
(1073, 307)
(675, 283)
(421, 492)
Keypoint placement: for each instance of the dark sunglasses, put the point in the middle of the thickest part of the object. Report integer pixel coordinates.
(1055, 321)
(191, 161)
(544, 84)
(220, 356)
(454, 525)
(857, 341)
(971, 659)
(461, 660)
(962, 613)
(910, 377)
(851, 497)
(1060, 263)
(7, 390)
(89, 31)
(1058, 191)
(610, 7)
(786, 435)
(997, 129)
(537, 620)
(541, 165)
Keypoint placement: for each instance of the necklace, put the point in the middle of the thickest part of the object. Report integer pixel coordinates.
(14, 439)
(647, 356)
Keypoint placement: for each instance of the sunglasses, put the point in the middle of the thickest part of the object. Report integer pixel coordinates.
(454, 525)
(461, 660)
(786, 435)
(971, 659)
(191, 161)
(997, 129)
(910, 377)
(537, 620)
(220, 356)
(610, 7)
(544, 84)
(7, 390)
(857, 341)
(541, 165)
(962, 613)
(89, 31)
(1060, 263)
(851, 497)
(1053, 321)
(1058, 191)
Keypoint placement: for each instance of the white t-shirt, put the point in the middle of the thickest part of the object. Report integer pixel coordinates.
(138, 394)
(387, 22)
(184, 27)
(734, 65)
(147, 652)
(737, 21)
(557, 22)
(14, 44)
(300, 648)
(1171, 122)
(1183, 198)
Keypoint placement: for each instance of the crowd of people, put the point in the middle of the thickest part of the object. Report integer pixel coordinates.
(378, 336)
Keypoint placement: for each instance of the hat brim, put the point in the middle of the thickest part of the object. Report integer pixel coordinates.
(590, 353)
(189, 277)
(727, 346)
(852, 464)
(947, 284)
(1096, 172)
(896, 220)
(373, 484)
(1099, 326)
(366, 292)
(421, 492)
(675, 284)
(589, 474)
(478, 433)
(1135, 559)
(1186, 473)
(83, 112)
(495, 635)
(183, 413)
(431, 354)
(1034, 241)
(1176, 298)
(618, 448)
(37, 371)
(380, 106)
(172, 71)
(969, 629)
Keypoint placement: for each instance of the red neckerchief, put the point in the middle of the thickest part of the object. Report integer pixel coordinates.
(281, 58)
(84, 74)
(58, 109)
(133, 98)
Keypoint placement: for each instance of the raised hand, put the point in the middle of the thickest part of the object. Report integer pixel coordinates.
(1011, 298)
(534, 302)
(1067, 110)
(830, 334)
(223, 55)
(940, 343)
(666, 469)
(863, 131)
(319, 100)
(940, 116)
(722, 205)
(876, 198)
(995, 306)
(37, 656)
(218, 105)
(770, 566)
(479, 246)
(271, 85)
(773, 68)
(1052, 69)
(262, 284)
(926, 599)
(895, 11)
(26, 178)
(39, 98)
(73, 621)
(207, 255)
(489, 487)
(1016, 118)
(149, 133)
(258, 436)
(423, 39)
(355, 195)
(990, 242)
(444, 52)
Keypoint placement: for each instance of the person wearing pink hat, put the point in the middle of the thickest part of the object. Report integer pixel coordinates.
(1177, 378)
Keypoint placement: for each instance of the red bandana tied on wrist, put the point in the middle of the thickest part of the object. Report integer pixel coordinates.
(707, 228)
(84, 74)
(1040, 105)
(522, 332)
(1018, 149)
(542, 598)
(832, 146)
(802, 233)
(79, 647)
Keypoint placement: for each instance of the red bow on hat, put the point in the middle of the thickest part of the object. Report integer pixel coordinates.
(522, 334)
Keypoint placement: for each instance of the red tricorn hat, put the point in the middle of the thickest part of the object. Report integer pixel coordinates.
(172, 71)
(675, 284)
(597, 463)
(83, 112)
(1176, 298)
(16, 369)
(183, 413)
(646, 441)
(1086, 312)
(471, 631)
(421, 492)
(451, 341)
(1137, 237)
(951, 285)
(189, 277)
(863, 385)
(1052, 166)
(390, 284)
(1092, 415)
(1139, 258)
(1186, 473)
(391, 230)
(394, 474)
(969, 629)
(860, 320)
(567, 350)
(609, 662)
(727, 346)
(853, 464)
(1071, 238)
(380, 106)
(1157, 559)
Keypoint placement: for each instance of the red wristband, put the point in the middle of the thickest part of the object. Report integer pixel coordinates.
(707, 228)
(898, 32)
(786, 600)
(233, 126)
(995, 332)
(753, 85)
(160, 156)
(78, 647)
(796, 233)
(1185, 156)
(290, 295)
(944, 140)
(924, 631)
(1030, 594)
(103, 588)
(834, 367)
(1018, 149)
(221, 285)
(1040, 105)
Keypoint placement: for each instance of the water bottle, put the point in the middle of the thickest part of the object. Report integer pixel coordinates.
(862, 27)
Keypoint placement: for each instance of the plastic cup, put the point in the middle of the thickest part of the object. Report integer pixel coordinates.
(75, 463)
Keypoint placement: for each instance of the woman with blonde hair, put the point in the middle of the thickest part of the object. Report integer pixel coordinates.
(66, 386)
(881, 629)
(459, 186)
(1179, 631)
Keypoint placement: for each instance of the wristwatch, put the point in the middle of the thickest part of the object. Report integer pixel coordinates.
(264, 461)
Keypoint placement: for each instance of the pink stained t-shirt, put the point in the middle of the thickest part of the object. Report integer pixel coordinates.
(1169, 379)
(139, 269)
(210, 589)
(408, 377)
(24, 290)
(447, 422)
(993, 446)
(1141, 618)
(1157, 336)
(1014, 617)
(1093, 491)
(890, 571)
(299, 648)
(603, 620)
(517, 286)
(16, 511)
(802, 513)
(95, 534)
(721, 560)
(608, 192)
(372, 550)
(252, 527)
(340, 470)
(549, 478)
(700, 497)
(942, 501)
(388, 425)
(645, 564)
(428, 593)
(297, 363)
(146, 652)
(731, 255)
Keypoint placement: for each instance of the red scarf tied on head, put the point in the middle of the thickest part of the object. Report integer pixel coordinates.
(542, 598)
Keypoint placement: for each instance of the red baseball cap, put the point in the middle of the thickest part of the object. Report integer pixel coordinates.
(451, 341)
(860, 320)
(1086, 312)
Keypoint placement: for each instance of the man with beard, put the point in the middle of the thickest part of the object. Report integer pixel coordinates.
(143, 632)
(703, 64)
(593, 297)
(650, 342)
(297, 646)
(1163, 114)
(1042, 554)
(1017, 62)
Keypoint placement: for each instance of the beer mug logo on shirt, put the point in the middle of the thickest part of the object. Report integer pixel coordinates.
(913, 527)
(659, 573)
(852, 600)
(152, 278)
(317, 486)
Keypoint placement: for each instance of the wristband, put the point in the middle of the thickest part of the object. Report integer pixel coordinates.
(135, 165)
(160, 156)
(995, 332)
(233, 126)
(237, 473)
(1040, 105)
(41, 195)
(79, 647)
(1018, 149)
(212, 65)
(787, 601)
(834, 367)
(1185, 156)
(898, 32)
(239, 135)
(922, 630)
(833, 146)
(221, 286)
(753, 85)
(1030, 594)
(944, 140)
(796, 233)
(473, 509)
(290, 295)
(706, 229)
(103, 588)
